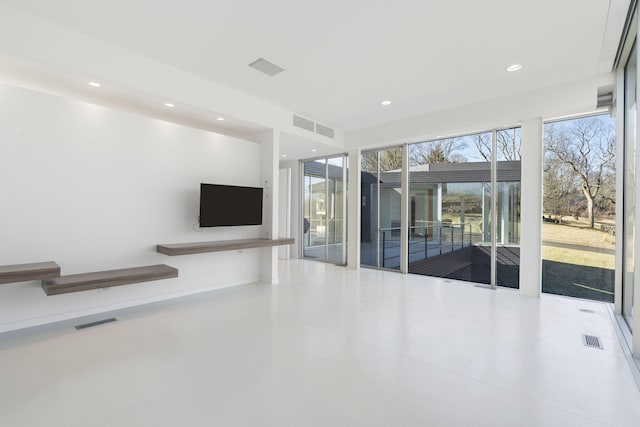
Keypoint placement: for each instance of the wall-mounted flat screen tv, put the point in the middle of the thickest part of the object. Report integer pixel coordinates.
(229, 205)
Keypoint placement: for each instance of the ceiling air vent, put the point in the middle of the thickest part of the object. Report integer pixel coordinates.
(266, 67)
(324, 130)
(303, 123)
(312, 126)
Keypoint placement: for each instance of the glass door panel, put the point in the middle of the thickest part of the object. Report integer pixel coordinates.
(381, 208)
(579, 198)
(369, 247)
(450, 208)
(324, 210)
(336, 214)
(629, 198)
(508, 169)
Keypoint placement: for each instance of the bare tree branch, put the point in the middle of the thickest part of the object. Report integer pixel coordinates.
(586, 146)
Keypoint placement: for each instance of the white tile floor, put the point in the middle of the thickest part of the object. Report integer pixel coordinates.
(326, 347)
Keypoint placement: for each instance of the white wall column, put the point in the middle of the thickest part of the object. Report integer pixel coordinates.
(270, 172)
(531, 208)
(284, 210)
(296, 207)
(354, 209)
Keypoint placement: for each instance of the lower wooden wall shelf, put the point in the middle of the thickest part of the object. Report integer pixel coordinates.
(174, 249)
(105, 279)
(27, 272)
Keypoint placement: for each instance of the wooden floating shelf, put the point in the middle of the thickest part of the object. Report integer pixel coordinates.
(174, 249)
(105, 279)
(26, 272)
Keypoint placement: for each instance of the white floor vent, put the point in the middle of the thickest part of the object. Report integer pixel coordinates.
(592, 341)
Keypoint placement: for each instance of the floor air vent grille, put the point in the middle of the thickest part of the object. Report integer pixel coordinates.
(97, 323)
(592, 341)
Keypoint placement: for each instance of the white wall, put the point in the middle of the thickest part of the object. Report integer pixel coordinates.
(354, 210)
(96, 189)
(284, 211)
(531, 208)
(295, 214)
(549, 102)
(44, 55)
(270, 141)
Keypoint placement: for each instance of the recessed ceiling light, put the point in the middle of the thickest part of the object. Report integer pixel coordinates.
(313, 150)
(94, 84)
(284, 155)
(220, 119)
(514, 67)
(385, 102)
(168, 104)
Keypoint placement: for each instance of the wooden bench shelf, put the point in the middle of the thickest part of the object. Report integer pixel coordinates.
(105, 279)
(26, 272)
(174, 249)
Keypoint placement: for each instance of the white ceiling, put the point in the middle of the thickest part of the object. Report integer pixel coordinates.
(342, 57)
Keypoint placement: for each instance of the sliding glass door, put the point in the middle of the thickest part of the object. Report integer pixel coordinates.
(450, 208)
(381, 208)
(458, 188)
(324, 209)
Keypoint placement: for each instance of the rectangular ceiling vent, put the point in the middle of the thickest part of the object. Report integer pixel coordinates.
(312, 126)
(324, 130)
(592, 341)
(303, 123)
(266, 67)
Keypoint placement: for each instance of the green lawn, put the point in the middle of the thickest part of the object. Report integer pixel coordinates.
(578, 271)
(578, 233)
(578, 257)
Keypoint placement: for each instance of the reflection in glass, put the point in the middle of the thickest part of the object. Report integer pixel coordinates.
(508, 194)
(578, 223)
(450, 208)
(629, 200)
(324, 209)
(381, 208)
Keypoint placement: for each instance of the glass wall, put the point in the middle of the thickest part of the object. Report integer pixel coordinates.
(381, 208)
(324, 210)
(508, 169)
(578, 223)
(629, 201)
(450, 208)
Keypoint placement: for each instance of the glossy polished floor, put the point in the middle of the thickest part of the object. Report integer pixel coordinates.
(326, 347)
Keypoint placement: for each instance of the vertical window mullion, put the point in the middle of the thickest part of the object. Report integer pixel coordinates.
(494, 207)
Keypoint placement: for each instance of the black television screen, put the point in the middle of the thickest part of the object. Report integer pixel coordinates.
(227, 205)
